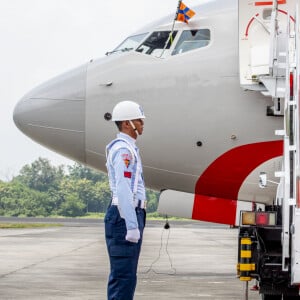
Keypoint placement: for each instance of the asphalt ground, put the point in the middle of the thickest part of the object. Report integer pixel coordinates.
(191, 260)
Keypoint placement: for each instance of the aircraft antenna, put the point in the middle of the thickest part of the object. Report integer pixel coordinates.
(170, 38)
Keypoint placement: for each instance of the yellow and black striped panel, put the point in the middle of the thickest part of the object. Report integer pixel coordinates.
(245, 265)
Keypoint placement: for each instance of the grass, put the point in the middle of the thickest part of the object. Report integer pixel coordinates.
(154, 216)
(27, 225)
(150, 216)
(93, 216)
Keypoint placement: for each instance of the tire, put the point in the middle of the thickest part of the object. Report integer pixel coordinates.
(271, 297)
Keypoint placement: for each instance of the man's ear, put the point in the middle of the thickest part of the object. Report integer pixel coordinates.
(123, 124)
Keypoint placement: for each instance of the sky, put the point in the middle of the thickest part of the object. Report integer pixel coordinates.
(43, 38)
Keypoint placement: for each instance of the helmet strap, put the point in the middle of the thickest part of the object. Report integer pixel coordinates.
(133, 127)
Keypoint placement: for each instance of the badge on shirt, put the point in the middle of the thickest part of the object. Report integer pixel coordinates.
(126, 158)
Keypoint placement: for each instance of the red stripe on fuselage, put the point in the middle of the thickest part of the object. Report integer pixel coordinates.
(218, 187)
(261, 3)
(216, 210)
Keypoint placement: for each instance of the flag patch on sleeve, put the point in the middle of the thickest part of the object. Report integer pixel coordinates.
(127, 174)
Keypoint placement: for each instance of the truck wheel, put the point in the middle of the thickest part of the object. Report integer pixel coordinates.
(271, 297)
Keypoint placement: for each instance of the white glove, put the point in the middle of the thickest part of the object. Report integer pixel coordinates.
(133, 235)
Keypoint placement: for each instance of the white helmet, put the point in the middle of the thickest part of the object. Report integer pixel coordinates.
(127, 110)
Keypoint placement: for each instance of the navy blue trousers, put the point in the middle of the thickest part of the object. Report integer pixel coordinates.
(123, 255)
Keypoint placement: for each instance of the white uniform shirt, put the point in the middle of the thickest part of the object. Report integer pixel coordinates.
(122, 169)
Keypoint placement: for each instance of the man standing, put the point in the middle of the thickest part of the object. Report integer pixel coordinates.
(125, 217)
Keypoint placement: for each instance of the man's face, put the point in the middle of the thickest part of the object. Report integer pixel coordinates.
(139, 125)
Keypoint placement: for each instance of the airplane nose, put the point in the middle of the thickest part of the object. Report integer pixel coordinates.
(53, 114)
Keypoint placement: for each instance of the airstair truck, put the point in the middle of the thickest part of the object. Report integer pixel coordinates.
(269, 238)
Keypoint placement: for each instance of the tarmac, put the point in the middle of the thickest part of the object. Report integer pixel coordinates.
(191, 260)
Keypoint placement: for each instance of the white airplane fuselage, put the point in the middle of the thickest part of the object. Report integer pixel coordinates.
(203, 133)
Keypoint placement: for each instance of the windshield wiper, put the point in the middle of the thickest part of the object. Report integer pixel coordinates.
(118, 50)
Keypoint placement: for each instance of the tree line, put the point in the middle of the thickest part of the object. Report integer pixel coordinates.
(41, 189)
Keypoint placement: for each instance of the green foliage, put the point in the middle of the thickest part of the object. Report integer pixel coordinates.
(73, 206)
(78, 171)
(17, 199)
(43, 190)
(40, 175)
(152, 198)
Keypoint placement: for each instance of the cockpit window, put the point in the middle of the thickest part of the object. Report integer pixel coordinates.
(129, 44)
(192, 39)
(157, 44)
